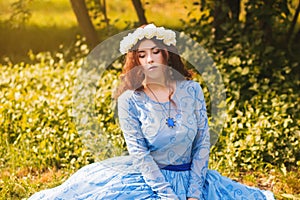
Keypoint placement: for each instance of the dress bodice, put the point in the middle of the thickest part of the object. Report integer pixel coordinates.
(168, 146)
(154, 145)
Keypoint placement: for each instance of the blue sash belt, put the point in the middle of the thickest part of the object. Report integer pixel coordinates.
(183, 167)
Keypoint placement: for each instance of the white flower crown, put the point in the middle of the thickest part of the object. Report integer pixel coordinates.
(149, 31)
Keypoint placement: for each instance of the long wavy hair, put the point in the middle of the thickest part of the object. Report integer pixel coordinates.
(132, 75)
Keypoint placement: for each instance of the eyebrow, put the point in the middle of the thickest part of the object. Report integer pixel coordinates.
(143, 50)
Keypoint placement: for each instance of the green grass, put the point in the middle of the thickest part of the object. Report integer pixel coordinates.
(23, 182)
(285, 186)
(44, 13)
(53, 23)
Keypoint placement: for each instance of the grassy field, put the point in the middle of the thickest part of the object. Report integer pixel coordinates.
(53, 24)
(25, 181)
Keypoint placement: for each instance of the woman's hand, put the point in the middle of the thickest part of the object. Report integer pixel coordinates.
(191, 198)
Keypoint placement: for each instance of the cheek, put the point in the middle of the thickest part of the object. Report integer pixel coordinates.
(141, 61)
(161, 59)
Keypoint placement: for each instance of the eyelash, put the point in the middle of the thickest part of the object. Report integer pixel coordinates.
(155, 51)
(141, 55)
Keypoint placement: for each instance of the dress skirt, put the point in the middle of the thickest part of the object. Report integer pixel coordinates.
(118, 179)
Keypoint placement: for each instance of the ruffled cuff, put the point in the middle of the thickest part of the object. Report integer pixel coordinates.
(193, 193)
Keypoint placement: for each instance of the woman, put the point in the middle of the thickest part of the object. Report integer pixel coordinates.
(164, 121)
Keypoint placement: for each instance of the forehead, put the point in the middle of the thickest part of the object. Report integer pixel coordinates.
(146, 44)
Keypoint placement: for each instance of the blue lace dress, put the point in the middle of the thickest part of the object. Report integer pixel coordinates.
(153, 147)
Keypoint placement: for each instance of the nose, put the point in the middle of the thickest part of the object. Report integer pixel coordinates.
(149, 58)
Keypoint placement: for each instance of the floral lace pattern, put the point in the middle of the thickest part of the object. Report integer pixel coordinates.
(153, 145)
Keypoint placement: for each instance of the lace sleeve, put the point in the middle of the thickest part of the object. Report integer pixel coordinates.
(201, 147)
(137, 147)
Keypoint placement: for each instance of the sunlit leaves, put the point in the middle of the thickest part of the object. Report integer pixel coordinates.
(35, 120)
(262, 85)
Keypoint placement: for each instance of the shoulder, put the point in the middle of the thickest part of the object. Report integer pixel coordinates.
(191, 88)
(130, 96)
(129, 103)
(189, 84)
(126, 95)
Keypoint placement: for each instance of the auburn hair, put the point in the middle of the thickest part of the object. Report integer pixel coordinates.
(132, 75)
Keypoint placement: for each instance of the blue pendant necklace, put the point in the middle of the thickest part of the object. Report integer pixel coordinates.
(170, 120)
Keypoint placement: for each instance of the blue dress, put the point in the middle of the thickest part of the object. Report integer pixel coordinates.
(153, 147)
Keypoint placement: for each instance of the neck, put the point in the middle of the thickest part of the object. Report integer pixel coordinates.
(159, 83)
(159, 92)
(157, 86)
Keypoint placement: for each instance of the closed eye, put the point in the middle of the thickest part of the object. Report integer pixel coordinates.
(156, 51)
(141, 55)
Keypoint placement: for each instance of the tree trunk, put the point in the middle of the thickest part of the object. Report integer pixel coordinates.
(266, 25)
(102, 5)
(235, 8)
(84, 21)
(140, 11)
(293, 25)
(220, 17)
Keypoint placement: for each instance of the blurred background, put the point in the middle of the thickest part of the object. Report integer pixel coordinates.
(255, 45)
(45, 25)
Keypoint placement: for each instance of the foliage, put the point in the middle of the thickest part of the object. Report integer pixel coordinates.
(38, 130)
(261, 79)
(97, 11)
(21, 13)
(36, 127)
(261, 76)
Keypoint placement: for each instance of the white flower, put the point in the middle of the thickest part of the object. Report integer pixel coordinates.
(150, 26)
(170, 38)
(139, 33)
(150, 31)
(160, 33)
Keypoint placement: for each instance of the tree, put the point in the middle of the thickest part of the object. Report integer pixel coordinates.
(102, 5)
(84, 21)
(235, 8)
(140, 11)
(220, 17)
(225, 11)
(293, 25)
